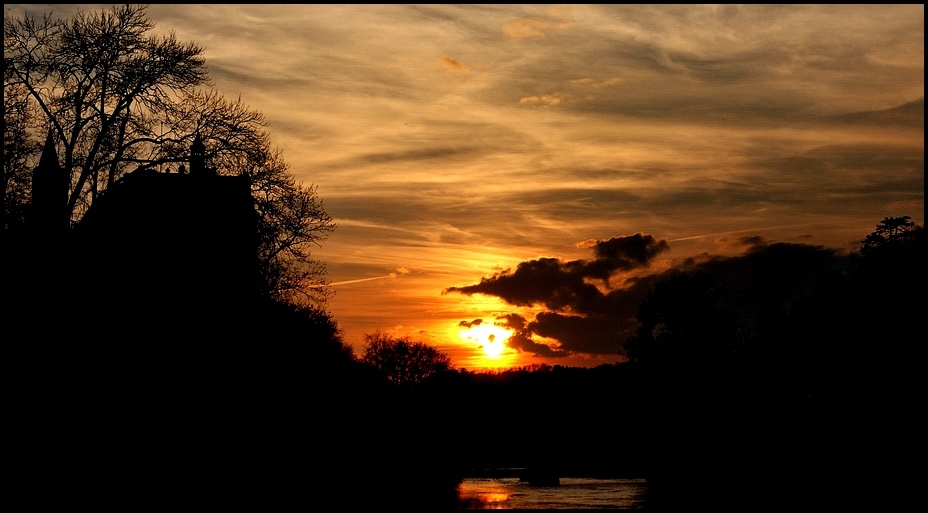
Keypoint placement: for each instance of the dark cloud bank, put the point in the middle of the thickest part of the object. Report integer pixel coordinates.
(590, 306)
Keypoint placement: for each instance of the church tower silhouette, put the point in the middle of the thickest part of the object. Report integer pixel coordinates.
(197, 156)
(50, 186)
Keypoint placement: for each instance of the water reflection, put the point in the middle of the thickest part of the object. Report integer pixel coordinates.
(576, 493)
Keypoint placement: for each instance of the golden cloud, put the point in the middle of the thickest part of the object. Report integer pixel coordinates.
(450, 64)
(545, 100)
(589, 82)
(527, 29)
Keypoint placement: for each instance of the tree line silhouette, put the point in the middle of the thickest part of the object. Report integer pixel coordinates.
(812, 407)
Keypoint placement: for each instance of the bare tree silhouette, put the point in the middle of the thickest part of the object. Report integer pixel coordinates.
(117, 99)
(404, 363)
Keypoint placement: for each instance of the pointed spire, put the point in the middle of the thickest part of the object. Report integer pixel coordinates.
(197, 155)
(50, 212)
(49, 158)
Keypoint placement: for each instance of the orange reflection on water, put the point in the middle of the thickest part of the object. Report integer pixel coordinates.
(494, 497)
(483, 495)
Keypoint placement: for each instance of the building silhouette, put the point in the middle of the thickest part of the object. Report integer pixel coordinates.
(157, 254)
(50, 218)
(155, 370)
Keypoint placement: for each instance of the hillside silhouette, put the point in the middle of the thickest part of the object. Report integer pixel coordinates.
(160, 373)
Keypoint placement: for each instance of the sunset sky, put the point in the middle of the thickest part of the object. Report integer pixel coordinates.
(595, 145)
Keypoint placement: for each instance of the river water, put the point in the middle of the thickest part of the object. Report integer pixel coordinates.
(573, 493)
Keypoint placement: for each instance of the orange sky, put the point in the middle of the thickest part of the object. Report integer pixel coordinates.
(451, 143)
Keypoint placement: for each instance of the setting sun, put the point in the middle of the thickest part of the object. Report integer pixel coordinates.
(490, 337)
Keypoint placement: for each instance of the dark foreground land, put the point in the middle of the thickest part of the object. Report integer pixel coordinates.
(232, 427)
(163, 423)
(259, 409)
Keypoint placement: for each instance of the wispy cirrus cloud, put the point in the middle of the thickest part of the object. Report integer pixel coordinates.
(455, 140)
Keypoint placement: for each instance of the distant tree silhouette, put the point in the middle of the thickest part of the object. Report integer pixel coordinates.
(891, 231)
(117, 99)
(845, 365)
(683, 319)
(403, 362)
(876, 306)
(896, 244)
(284, 322)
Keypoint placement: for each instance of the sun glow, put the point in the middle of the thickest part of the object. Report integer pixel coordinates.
(490, 337)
